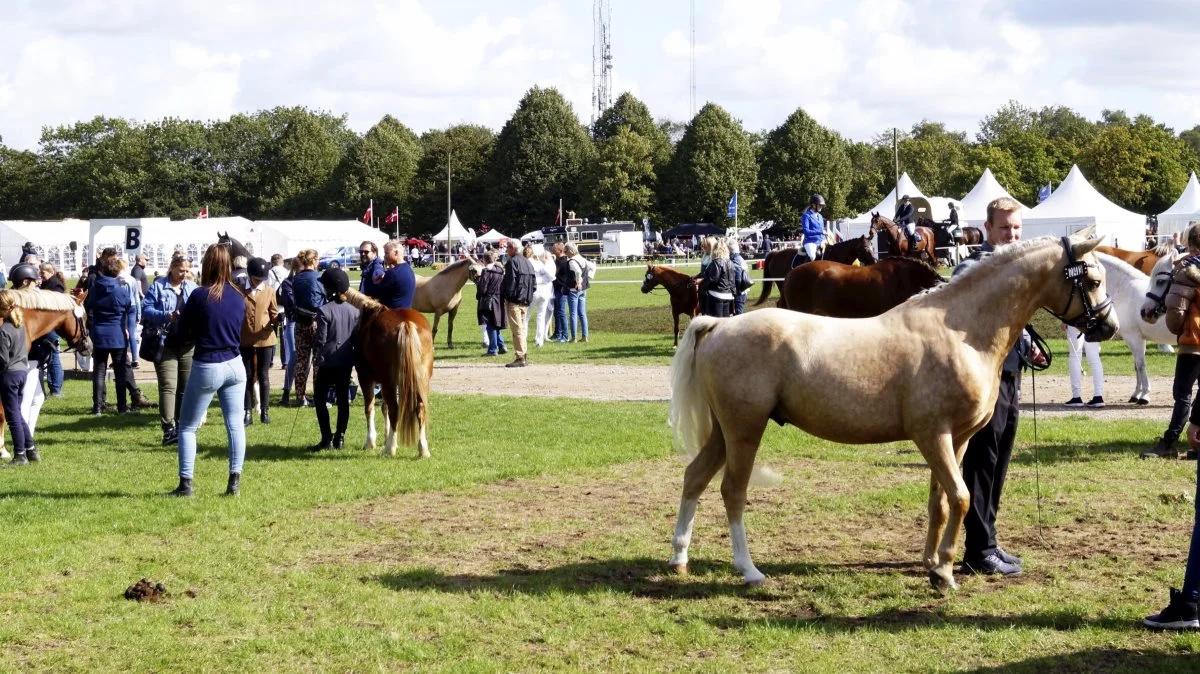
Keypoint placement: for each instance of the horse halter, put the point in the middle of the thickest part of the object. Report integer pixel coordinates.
(1075, 272)
(1160, 301)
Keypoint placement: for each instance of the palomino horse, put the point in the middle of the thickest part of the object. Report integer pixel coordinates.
(45, 311)
(1128, 288)
(846, 291)
(441, 294)
(685, 295)
(898, 240)
(1141, 260)
(778, 263)
(399, 346)
(928, 371)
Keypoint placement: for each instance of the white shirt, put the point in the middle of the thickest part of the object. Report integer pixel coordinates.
(276, 276)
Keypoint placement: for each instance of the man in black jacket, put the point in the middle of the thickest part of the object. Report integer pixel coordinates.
(517, 290)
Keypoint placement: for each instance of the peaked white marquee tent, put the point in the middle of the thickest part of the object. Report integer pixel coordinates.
(289, 237)
(860, 225)
(492, 236)
(51, 239)
(972, 209)
(1076, 205)
(1183, 212)
(453, 231)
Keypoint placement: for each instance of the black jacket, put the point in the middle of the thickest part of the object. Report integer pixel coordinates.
(904, 213)
(718, 277)
(564, 279)
(520, 281)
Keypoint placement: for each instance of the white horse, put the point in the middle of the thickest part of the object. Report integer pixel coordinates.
(1128, 287)
(926, 371)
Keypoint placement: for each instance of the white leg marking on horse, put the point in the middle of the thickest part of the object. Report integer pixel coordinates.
(741, 554)
(369, 443)
(423, 445)
(683, 532)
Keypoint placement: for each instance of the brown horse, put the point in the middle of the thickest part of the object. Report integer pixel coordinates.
(45, 311)
(685, 295)
(441, 294)
(1141, 260)
(898, 241)
(846, 291)
(778, 263)
(971, 236)
(399, 346)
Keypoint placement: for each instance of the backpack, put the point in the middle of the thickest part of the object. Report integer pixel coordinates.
(741, 279)
(587, 272)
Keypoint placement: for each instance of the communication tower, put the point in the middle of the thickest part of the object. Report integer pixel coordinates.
(602, 60)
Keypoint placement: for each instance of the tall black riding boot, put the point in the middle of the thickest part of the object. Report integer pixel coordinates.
(184, 488)
(234, 484)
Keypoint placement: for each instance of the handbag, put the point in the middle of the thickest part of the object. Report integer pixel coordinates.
(153, 344)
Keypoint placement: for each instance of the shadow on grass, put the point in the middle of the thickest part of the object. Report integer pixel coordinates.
(1105, 660)
(1051, 454)
(638, 577)
(907, 620)
(67, 495)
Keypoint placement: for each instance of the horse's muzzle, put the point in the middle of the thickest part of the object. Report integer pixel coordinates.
(1104, 329)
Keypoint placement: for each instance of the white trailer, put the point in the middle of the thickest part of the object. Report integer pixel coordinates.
(622, 245)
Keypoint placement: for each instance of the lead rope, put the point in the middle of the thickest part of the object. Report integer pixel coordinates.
(1037, 464)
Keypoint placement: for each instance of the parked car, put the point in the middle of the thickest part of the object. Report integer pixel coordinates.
(345, 256)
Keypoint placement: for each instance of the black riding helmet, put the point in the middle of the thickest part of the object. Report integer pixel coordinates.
(335, 282)
(816, 200)
(22, 272)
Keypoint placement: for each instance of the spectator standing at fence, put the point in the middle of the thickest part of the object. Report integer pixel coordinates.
(54, 281)
(490, 304)
(580, 269)
(517, 288)
(717, 282)
(398, 284)
(562, 284)
(212, 319)
(740, 270)
(161, 308)
(543, 295)
(138, 272)
(258, 339)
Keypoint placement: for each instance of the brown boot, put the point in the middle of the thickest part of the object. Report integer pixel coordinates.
(1161, 450)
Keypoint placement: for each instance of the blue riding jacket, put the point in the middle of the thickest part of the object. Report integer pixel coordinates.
(108, 305)
(813, 225)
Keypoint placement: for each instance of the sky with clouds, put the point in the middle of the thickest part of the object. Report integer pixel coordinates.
(859, 67)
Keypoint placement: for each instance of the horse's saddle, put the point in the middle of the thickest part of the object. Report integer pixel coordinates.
(801, 257)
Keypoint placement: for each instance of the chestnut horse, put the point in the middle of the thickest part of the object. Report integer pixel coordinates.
(846, 291)
(397, 348)
(778, 263)
(685, 295)
(45, 311)
(928, 371)
(898, 240)
(1141, 260)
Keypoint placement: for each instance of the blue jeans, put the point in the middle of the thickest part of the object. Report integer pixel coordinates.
(289, 355)
(228, 381)
(577, 305)
(131, 325)
(54, 372)
(495, 339)
(560, 317)
(1191, 577)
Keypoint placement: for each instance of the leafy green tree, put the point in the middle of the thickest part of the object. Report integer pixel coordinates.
(179, 175)
(1191, 140)
(978, 158)
(380, 166)
(620, 184)
(868, 177)
(714, 158)
(1116, 163)
(630, 112)
(933, 156)
(300, 164)
(470, 148)
(24, 185)
(539, 158)
(798, 159)
(239, 157)
(1167, 164)
(98, 168)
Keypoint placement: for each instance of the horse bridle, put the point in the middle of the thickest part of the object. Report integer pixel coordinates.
(1075, 272)
(81, 330)
(1160, 301)
(651, 276)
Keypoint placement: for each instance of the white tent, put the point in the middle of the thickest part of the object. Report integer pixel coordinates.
(162, 237)
(972, 209)
(535, 235)
(887, 207)
(493, 236)
(1183, 212)
(51, 239)
(453, 231)
(1076, 205)
(289, 237)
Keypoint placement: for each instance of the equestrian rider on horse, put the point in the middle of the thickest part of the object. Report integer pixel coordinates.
(905, 213)
(813, 225)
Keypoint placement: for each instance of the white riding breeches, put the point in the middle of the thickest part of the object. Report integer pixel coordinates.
(810, 249)
(1076, 347)
(910, 228)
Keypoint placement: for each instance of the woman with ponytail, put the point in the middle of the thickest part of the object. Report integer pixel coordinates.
(14, 366)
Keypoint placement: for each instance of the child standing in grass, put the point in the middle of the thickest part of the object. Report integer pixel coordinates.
(14, 366)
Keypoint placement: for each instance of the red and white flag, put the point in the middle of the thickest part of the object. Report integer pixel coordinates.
(203, 214)
(369, 214)
(394, 216)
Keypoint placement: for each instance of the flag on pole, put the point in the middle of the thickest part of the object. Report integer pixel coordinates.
(733, 206)
(369, 214)
(203, 214)
(394, 216)
(557, 216)
(1044, 193)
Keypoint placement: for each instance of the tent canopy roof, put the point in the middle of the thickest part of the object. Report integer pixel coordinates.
(493, 236)
(887, 207)
(453, 230)
(1076, 198)
(987, 189)
(1188, 203)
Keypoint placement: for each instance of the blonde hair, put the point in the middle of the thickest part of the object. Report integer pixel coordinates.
(720, 251)
(571, 250)
(1003, 204)
(527, 251)
(9, 308)
(707, 243)
(307, 259)
(546, 257)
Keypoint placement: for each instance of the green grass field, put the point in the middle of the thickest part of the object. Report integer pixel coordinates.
(536, 538)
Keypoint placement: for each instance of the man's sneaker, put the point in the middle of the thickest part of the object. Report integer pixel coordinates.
(1096, 402)
(991, 565)
(1161, 450)
(1180, 614)
(1074, 402)
(1007, 558)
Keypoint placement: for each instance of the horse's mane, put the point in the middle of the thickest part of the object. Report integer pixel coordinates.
(914, 262)
(43, 300)
(996, 259)
(670, 270)
(362, 302)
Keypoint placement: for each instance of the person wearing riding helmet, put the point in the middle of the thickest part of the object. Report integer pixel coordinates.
(25, 277)
(334, 352)
(813, 225)
(906, 218)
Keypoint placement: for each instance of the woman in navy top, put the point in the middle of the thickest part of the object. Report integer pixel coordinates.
(108, 305)
(308, 295)
(212, 320)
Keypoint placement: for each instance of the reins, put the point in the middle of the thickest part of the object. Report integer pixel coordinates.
(1034, 368)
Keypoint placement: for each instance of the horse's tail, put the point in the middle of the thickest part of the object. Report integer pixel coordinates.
(766, 291)
(691, 415)
(412, 383)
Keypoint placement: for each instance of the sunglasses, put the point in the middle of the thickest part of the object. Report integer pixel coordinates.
(365, 252)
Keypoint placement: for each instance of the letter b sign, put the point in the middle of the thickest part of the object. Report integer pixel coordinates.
(133, 239)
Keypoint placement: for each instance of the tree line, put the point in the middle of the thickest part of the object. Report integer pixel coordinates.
(296, 163)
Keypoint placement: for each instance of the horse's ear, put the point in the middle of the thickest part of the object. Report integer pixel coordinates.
(1081, 248)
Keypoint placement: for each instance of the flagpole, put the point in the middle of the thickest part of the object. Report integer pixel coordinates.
(449, 209)
(736, 207)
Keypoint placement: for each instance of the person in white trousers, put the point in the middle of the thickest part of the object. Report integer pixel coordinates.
(543, 267)
(1076, 347)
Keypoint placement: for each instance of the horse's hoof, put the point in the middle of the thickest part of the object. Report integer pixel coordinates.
(755, 582)
(942, 584)
(679, 569)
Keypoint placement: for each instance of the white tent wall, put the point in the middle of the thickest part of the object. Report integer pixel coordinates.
(162, 237)
(1183, 212)
(887, 207)
(289, 237)
(972, 209)
(1076, 205)
(454, 231)
(51, 239)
